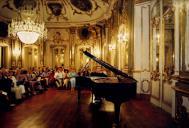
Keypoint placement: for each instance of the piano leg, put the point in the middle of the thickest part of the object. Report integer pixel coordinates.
(78, 95)
(92, 98)
(117, 112)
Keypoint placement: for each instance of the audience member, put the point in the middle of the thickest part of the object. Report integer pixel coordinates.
(59, 74)
(72, 74)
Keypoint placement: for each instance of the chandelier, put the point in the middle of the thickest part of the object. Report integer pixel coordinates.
(27, 26)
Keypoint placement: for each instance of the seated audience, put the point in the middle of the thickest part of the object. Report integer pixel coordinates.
(17, 83)
(22, 79)
(5, 87)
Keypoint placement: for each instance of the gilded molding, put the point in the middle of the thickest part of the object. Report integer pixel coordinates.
(139, 71)
(142, 86)
(3, 42)
(140, 1)
(155, 21)
(155, 75)
(167, 78)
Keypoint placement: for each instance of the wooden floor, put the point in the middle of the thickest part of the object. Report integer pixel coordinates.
(59, 109)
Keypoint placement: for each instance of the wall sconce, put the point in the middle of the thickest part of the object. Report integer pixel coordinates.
(16, 52)
(56, 58)
(111, 46)
(35, 56)
(157, 37)
(157, 59)
(97, 52)
(61, 58)
(122, 37)
(122, 34)
(87, 60)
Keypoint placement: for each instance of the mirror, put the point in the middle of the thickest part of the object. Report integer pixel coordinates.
(163, 32)
(155, 18)
(58, 56)
(168, 16)
(123, 47)
(183, 31)
(184, 61)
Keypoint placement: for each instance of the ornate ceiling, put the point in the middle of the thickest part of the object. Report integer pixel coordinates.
(140, 1)
(62, 13)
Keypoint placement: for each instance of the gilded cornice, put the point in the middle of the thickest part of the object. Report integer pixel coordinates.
(140, 1)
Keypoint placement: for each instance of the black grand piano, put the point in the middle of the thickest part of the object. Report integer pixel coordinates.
(115, 89)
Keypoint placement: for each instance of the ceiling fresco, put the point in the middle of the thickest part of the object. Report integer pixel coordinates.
(19, 3)
(62, 13)
(56, 8)
(84, 6)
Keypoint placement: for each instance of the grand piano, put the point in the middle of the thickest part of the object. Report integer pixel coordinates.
(115, 89)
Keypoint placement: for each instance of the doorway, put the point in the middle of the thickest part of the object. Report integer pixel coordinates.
(3, 56)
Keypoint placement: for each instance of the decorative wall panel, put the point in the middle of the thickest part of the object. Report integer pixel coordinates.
(142, 47)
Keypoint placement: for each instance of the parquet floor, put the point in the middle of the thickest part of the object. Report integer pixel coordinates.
(60, 109)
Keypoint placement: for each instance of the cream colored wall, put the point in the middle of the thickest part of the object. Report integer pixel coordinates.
(161, 94)
(142, 47)
(149, 81)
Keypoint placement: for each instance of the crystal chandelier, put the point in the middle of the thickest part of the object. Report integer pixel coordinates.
(27, 26)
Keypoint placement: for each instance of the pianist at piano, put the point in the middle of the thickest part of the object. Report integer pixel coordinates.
(139, 50)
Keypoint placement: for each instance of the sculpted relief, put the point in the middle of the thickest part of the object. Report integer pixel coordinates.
(58, 36)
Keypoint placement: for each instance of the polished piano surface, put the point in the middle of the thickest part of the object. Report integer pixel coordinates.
(114, 89)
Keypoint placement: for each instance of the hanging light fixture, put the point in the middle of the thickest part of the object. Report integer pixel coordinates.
(122, 33)
(27, 26)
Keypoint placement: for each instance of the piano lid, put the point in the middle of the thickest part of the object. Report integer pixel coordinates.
(108, 66)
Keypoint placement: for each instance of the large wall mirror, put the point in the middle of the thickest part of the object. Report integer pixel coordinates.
(184, 37)
(155, 18)
(168, 15)
(163, 38)
(58, 56)
(123, 47)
